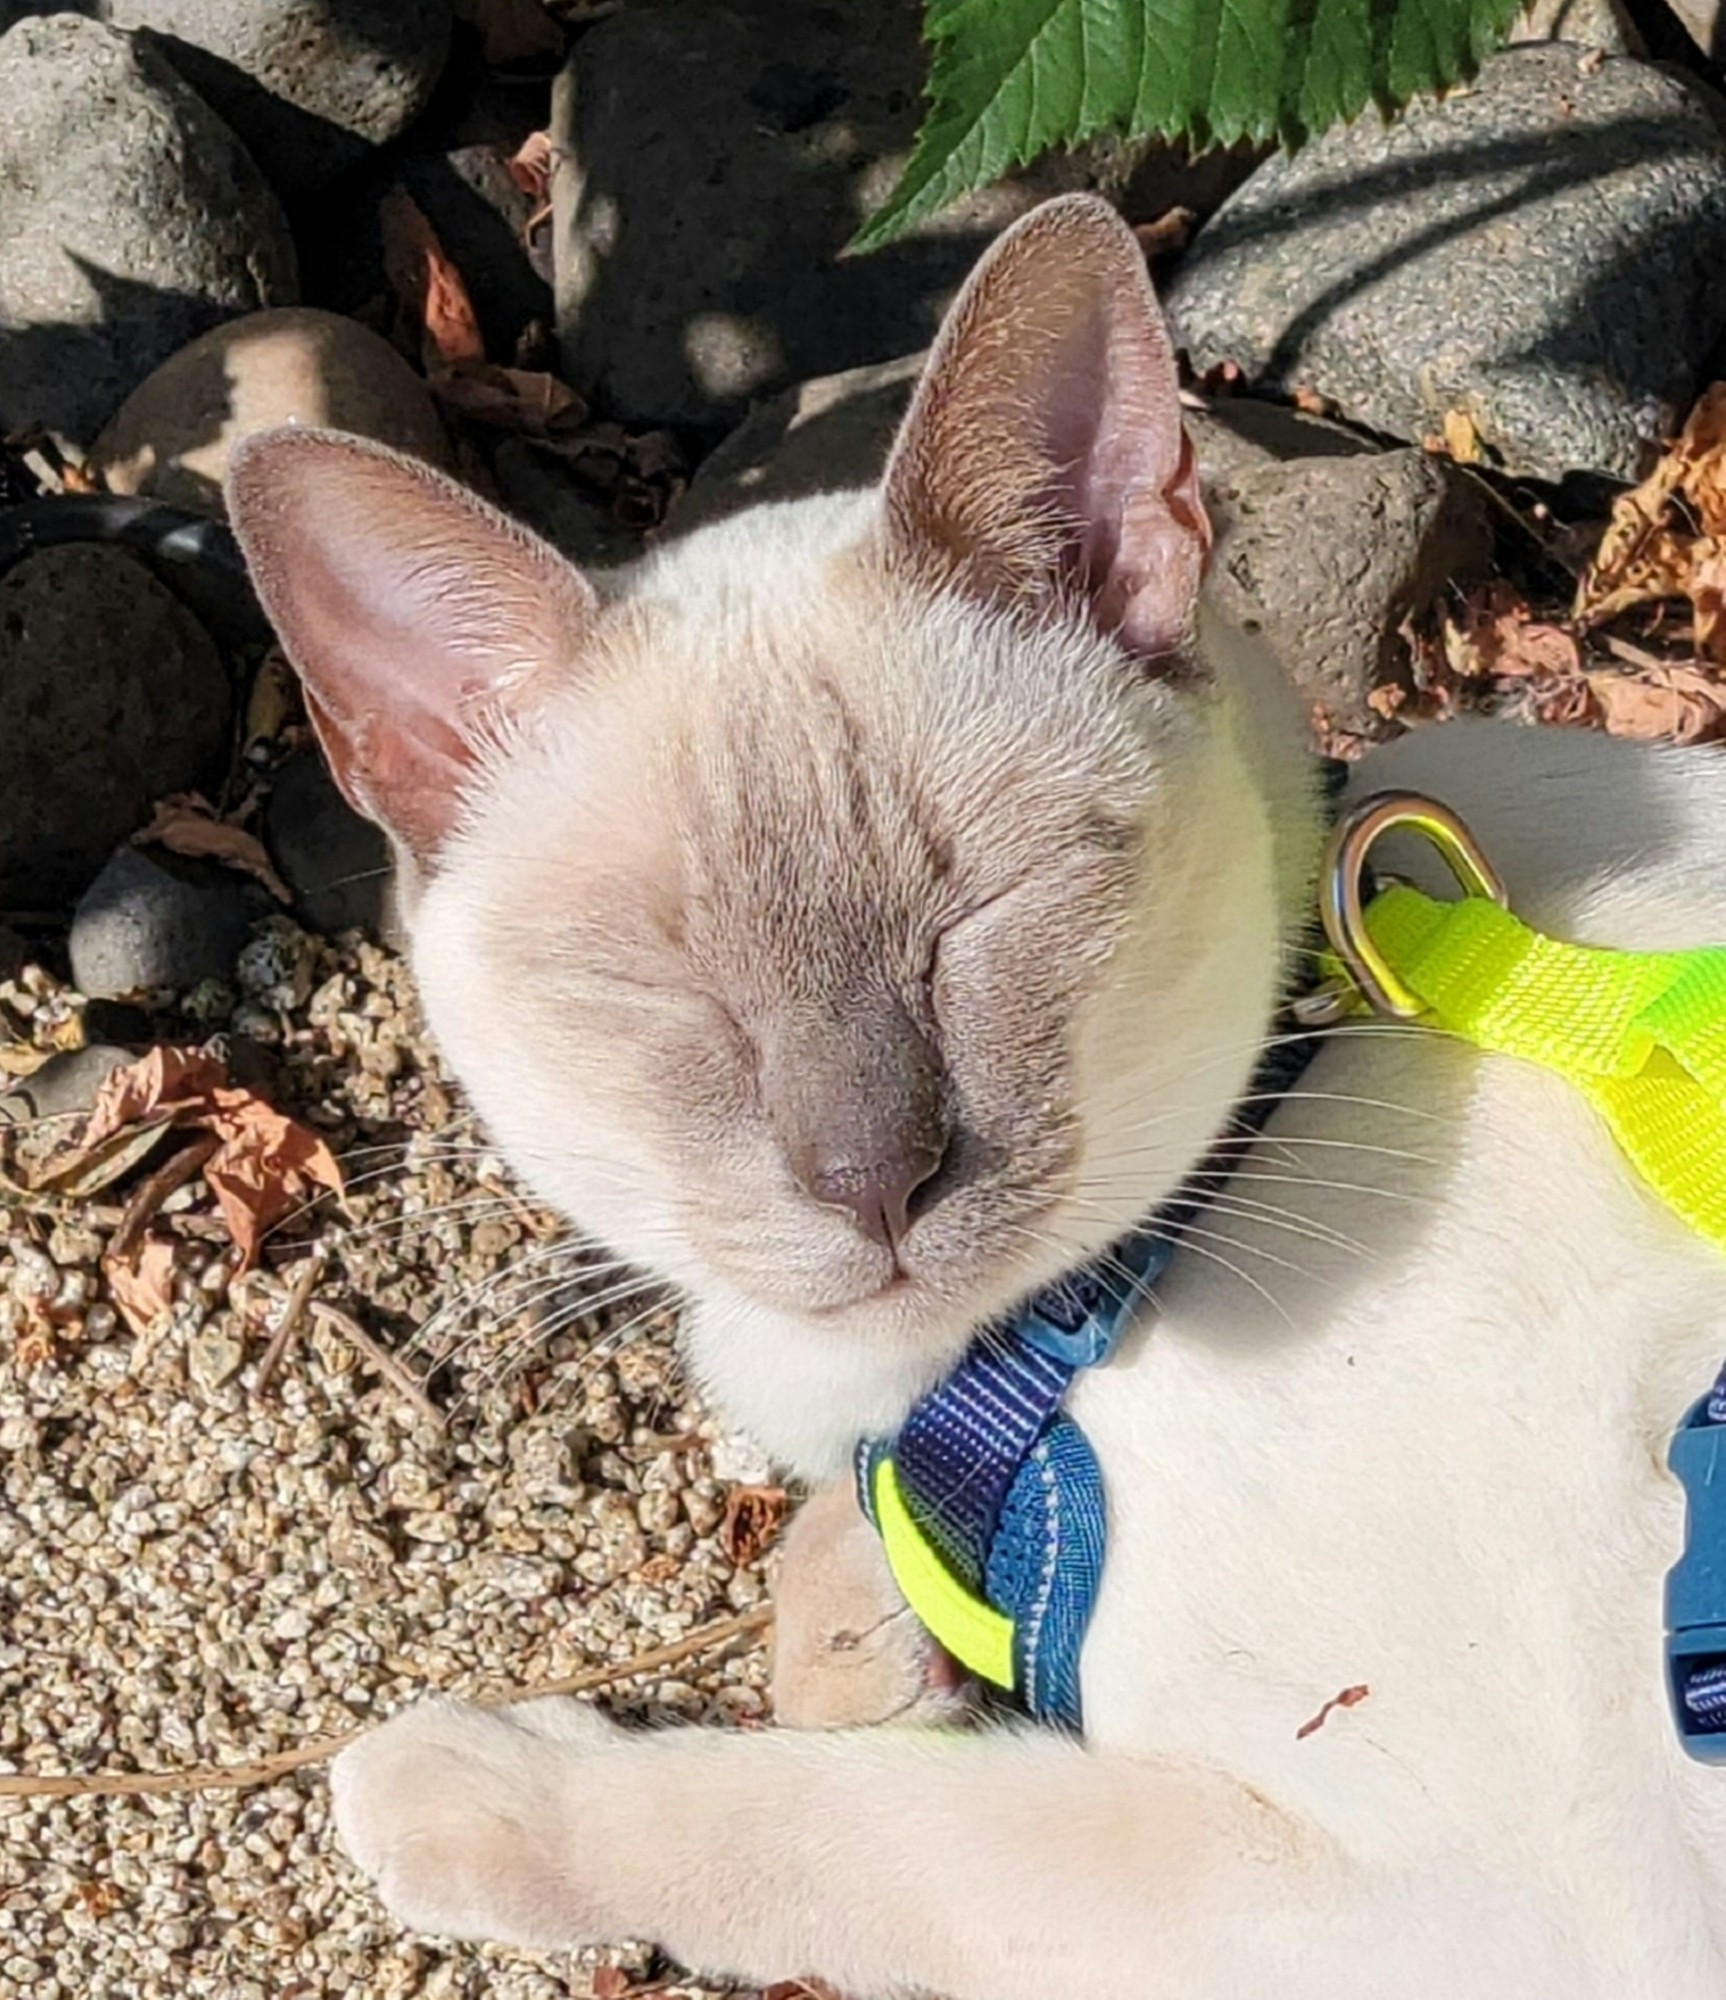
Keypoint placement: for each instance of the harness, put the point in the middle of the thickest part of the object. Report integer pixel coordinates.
(989, 1500)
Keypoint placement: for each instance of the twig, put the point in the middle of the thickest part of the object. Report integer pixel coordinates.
(714, 1638)
(293, 1311)
(154, 1189)
(381, 1359)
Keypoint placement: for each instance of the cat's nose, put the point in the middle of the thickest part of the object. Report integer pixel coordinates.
(856, 1097)
(876, 1190)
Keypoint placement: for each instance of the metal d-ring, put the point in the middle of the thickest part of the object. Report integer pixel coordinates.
(1344, 865)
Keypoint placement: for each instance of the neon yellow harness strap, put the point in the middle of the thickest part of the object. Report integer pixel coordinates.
(971, 1629)
(1641, 1034)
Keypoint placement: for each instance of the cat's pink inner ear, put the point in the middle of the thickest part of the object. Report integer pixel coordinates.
(1044, 452)
(418, 618)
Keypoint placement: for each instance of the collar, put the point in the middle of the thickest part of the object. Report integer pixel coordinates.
(989, 1500)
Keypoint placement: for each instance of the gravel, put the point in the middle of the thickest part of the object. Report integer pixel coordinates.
(196, 1569)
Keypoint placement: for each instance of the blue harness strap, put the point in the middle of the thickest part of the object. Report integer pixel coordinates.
(1696, 1583)
(997, 1482)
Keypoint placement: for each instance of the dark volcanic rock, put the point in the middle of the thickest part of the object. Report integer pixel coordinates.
(337, 864)
(131, 220)
(713, 162)
(308, 85)
(154, 920)
(1543, 255)
(112, 695)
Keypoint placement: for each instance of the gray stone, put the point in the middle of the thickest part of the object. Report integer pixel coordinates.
(1585, 24)
(113, 695)
(822, 437)
(173, 436)
(308, 85)
(337, 864)
(64, 1087)
(711, 163)
(1542, 258)
(540, 489)
(154, 921)
(214, 1355)
(131, 219)
(1329, 548)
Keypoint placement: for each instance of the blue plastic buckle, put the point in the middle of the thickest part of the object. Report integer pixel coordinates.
(1696, 1583)
(1079, 1319)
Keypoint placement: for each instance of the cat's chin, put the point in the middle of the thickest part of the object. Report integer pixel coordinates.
(807, 1385)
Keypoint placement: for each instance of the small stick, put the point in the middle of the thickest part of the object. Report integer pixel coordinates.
(714, 1638)
(154, 1189)
(293, 1311)
(381, 1359)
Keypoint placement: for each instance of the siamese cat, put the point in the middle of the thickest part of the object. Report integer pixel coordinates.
(895, 892)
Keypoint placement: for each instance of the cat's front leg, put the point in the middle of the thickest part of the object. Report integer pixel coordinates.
(981, 1866)
(848, 1650)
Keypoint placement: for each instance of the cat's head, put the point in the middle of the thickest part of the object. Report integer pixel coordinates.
(863, 909)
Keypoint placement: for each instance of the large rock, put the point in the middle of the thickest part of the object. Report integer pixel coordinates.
(1331, 548)
(309, 85)
(112, 695)
(154, 921)
(713, 160)
(173, 436)
(1326, 544)
(821, 437)
(337, 864)
(131, 219)
(1541, 260)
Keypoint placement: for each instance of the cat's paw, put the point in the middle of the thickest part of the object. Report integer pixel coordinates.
(848, 1651)
(465, 1818)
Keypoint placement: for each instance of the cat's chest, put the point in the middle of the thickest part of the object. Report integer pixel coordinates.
(1399, 1428)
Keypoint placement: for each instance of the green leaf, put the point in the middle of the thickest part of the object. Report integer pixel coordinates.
(1010, 78)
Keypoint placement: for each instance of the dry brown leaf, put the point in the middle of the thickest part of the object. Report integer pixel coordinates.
(265, 1163)
(753, 1517)
(430, 289)
(1166, 234)
(512, 31)
(1498, 635)
(1665, 704)
(800, 1989)
(186, 824)
(530, 167)
(142, 1286)
(1461, 439)
(1667, 537)
(85, 1170)
(512, 399)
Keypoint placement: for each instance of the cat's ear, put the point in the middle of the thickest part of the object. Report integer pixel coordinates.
(1044, 455)
(418, 618)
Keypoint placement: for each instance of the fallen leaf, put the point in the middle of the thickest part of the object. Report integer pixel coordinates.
(186, 824)
(142, 1286)
(1461, 439)
(22, 1058)
(1498, 635)
(431, 291)
(753, 1518)
(274, 700)
(512, 399)
(1351, 1697)
(800, 1989)
(1667, 537)
(1664, 704)
(1167, 234)
(512, 31)
(86, 1169)
(265, 1163)
(530, 167)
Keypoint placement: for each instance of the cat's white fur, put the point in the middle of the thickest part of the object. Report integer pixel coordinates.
(1398, 1425)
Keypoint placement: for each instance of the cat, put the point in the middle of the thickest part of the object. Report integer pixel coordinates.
(889, 896)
